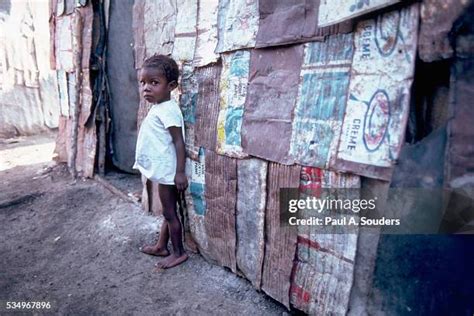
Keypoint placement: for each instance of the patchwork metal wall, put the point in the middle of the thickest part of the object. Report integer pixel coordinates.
(260, 116)
(303, 94)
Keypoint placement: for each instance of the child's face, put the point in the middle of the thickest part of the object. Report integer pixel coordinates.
(155, 88)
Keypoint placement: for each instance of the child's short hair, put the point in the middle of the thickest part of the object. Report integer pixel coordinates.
(164, 63)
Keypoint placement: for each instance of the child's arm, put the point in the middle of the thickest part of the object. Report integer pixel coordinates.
(180, 179)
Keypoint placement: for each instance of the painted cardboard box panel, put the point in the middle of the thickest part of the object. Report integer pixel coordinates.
(185, 30)
(188, 103)
(250, 217)
(379, 91)
(237, 24)
(331, 12)
(206, 33)
(195, 200)
(271, 98)
(321, 100)
(323, 271)
(233, 92)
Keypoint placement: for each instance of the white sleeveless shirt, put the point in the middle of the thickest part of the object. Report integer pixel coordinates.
(155, 154)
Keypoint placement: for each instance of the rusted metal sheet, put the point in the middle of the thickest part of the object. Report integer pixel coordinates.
(207, 108)
(271, 98)
(459, 167)
(188, 101)
(250, 217)
(233, 91)
(294, 21)
(185, 30)
(437, 20)
(63, 45)
(206, 33)
(221, 199)
(280, 241)
(331, 12)
(237, 24)
(159, 25)
(323, 270)
(321, 100)
(379, 93)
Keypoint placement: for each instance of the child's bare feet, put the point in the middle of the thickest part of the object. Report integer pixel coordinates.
(155, 251)
(171, 261)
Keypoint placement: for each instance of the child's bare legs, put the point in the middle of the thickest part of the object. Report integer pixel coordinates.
(160, 248)
(169, 197)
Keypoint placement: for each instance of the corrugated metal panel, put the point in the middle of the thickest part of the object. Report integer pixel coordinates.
(379, 91)
(460, 165)
(237, 24)
(159, 25)
(233, 91)
(280, 241)
(250, 217)
(321, 100)
(437, 19)
(331, 12)
(323, 272)
(207, 110)
(292, 21)
(221, 199)
(63, 45)
(185, 31)
(207, 33)
(271, 98)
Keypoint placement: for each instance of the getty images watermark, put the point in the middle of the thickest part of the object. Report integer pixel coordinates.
(399, 211)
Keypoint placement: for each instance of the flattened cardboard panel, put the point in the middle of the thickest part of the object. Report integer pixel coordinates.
(321, 100)
(460, 168)
(206, 33)
(292, 21)
(159, 26)
(271, 98)
(280, 241)
(323, 271)
(379, 91)
(233, 91)
(207, 108)
(332, 12)
(237, 24)
(250, 217)
(437, 19)
(221, 199)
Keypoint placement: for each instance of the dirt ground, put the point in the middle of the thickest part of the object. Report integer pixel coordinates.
(75, 244)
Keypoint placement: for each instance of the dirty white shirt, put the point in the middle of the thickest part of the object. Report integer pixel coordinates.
(155, 154)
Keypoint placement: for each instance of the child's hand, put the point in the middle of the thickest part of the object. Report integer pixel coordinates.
(181, 181)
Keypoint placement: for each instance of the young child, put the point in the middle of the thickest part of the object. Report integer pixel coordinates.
(160, 153)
